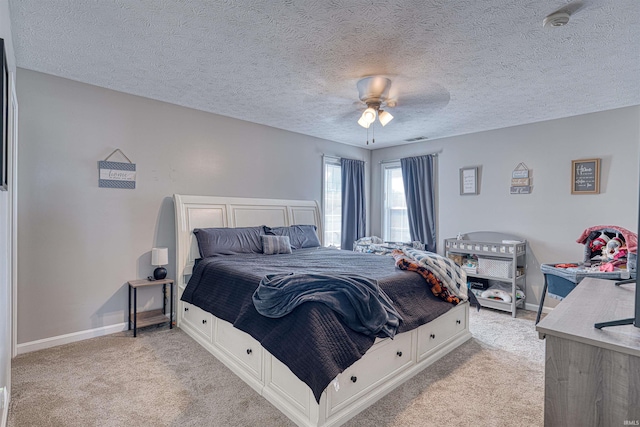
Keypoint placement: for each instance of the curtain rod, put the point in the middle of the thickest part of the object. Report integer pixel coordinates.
(434, 153)
(338, 158)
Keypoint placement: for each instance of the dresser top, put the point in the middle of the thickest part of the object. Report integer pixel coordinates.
(594, 301)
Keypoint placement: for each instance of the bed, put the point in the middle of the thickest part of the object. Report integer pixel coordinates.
(386, 364)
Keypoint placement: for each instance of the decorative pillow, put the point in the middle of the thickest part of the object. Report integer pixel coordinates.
(229, 241)
(272, 245)
(300, 236)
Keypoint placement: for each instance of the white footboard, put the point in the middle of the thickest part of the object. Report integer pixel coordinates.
(385, 366)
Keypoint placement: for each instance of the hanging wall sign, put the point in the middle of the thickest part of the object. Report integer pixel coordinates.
(585, 176)
(468, 181)
(520, 189)
(117, 174)
(520, 180)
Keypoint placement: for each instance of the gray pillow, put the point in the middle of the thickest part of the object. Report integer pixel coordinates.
(229, 241)
(272, 245)
(300, 236)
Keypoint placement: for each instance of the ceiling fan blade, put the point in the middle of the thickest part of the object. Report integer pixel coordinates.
(572, 7)
(434, 98)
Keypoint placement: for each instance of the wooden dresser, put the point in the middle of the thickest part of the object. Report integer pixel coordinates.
(592, 377)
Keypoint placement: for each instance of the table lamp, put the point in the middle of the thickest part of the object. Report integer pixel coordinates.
(159, 257)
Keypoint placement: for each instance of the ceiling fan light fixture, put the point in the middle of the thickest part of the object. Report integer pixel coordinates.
(385, 117)
(369, 115)
(363, 122)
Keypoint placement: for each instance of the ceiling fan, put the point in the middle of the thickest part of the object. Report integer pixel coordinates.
(374, 92)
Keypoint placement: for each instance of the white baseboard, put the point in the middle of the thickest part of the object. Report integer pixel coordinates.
(69, 338)
(4, 397)
(534, 307)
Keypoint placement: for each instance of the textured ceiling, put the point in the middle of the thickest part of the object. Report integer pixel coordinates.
(457, 66)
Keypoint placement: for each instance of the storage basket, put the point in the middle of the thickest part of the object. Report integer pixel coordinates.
(495, 267)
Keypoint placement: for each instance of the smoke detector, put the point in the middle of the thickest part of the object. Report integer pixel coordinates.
(556, 19)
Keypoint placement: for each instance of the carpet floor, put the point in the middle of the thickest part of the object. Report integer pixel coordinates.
(164, 378)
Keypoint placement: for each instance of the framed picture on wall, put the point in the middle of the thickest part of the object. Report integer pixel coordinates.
(4, 94)
(468, 181)
(585, 176)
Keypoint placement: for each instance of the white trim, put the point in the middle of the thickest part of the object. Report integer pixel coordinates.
(69, 338)
(14, 220)
(5, 407)
(534, 307)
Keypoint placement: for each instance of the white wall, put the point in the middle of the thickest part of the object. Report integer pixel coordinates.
(550, 219)
(78, 243)
(6, 242)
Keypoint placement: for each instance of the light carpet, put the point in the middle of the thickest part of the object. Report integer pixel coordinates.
(164, 378)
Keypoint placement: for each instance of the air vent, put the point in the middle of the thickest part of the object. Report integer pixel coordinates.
(417, 138)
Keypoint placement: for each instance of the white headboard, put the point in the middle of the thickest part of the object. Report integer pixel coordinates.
(212, 211)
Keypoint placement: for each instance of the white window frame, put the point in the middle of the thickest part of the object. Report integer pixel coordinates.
(385, 219)
(334, 161)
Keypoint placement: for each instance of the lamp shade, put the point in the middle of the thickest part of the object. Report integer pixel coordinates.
(159, 256)
(384, 117)
(369, 115)
(362, 122)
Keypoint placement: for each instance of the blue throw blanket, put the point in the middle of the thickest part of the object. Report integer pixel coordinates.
(364, 307)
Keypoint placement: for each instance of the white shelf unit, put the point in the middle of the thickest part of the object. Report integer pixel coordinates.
(515, 253)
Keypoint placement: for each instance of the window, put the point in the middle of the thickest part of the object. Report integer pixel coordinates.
(332, 201)
(395, 222)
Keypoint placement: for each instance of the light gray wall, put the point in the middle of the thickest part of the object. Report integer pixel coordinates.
(550, 218)
(6, 242)
(78, 243)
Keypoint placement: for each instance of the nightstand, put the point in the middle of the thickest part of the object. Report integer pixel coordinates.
(151, 317)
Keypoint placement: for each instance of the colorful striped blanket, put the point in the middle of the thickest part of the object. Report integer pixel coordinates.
(444, 277)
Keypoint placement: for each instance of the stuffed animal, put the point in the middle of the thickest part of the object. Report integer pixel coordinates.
(598, 244)
(614, 249)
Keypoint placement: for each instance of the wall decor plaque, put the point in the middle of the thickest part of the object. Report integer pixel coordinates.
(585, 176)
(117, 174)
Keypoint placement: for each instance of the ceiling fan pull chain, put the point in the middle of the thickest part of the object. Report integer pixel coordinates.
(367, 136)
(373, 133)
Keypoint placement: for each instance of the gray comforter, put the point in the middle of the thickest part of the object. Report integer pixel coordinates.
(312, 340)
(362, 305)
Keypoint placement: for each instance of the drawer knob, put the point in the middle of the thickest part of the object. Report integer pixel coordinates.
(186, 309)
(432, 336)
(399, 353)
(354, 378)
(458, 322)
(204, 321)
(249, 351)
